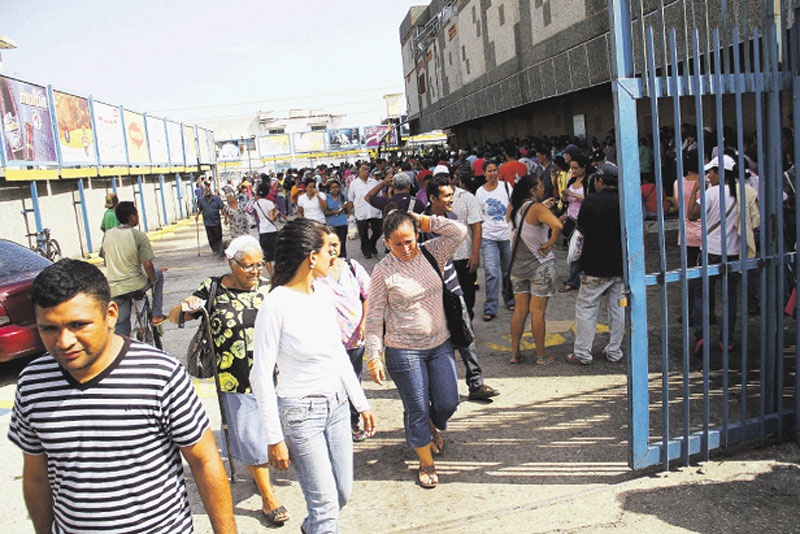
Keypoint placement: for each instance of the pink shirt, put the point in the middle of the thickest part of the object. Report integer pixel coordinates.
(694, 229)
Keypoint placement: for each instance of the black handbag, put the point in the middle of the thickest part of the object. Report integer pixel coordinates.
(200, 357)
(460, 331)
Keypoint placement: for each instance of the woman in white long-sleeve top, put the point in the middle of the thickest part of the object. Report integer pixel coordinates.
(305, 410)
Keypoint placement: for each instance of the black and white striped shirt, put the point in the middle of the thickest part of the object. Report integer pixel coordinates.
(112, 443)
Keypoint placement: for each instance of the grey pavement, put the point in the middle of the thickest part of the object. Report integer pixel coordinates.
(547, 455)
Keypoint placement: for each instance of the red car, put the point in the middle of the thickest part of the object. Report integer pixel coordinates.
(18, 334)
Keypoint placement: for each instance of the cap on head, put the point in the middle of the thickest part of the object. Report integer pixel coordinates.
(441, 169)
(727, 163)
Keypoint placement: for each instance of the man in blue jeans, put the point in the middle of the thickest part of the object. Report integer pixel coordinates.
(494, 199)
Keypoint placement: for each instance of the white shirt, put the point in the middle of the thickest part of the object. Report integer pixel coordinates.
(713, 218)
(311, 207)
(263, 207)
(299, 333)
(494, 205)
(468, 211)
(356, 194)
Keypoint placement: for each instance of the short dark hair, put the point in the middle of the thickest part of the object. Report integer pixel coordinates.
(64, 280)
(488, 162)
(125, 210)
(394, 220)
(309, 181)
(436, 183)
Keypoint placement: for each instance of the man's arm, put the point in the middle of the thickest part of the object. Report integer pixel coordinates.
(386, 182)
(212, 482)
(37, 493)
(475, 260)
(149, 270)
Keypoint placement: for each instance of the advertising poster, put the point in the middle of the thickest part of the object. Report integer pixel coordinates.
(227, 150)
(110, 136)
(138, 154)
(202, 143)
(343, 139)
(75, 133)
(309, 141)
(211, 146)
(175, 140)
(373, 135)
(274, 145)
(189, 145)
(27, 123)
(157, 141)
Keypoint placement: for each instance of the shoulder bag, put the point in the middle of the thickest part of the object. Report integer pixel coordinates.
(200, 357)
(460, 332)
(508, 292)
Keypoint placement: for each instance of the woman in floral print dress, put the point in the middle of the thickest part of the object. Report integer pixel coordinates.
(233, 314)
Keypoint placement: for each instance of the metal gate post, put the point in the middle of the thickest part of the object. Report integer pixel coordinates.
(82, 197)
(163, 200)
(142, 207)
(179, 193)
(625, 89)
(37, 214)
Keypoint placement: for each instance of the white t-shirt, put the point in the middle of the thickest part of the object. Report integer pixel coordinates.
(468, 211)
(362, 209)
(494, 205)
(311, 207)
(263, 207)
(713, 218)
(299, 333)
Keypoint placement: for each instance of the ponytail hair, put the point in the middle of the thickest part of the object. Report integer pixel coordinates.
(396, 218)
(294, 243)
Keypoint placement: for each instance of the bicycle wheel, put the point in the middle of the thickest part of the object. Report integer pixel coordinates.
(52, 250)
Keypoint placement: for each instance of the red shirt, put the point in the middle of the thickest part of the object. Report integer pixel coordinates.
(511, 171)
(477, 167)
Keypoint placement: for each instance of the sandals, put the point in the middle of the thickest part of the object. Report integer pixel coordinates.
(278, 516)
(544, 360)
(487, 317)
(565, 289)
(427, 476)
(158, 320)
(519, 358)
(437, 442)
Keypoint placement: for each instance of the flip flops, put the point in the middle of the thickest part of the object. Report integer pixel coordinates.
(278, 516)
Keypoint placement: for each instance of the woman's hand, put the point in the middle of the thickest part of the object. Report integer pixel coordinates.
(368, 422)
(278, 456)
(549, 203)
(191, 303)
(376, 373)
(545, 249)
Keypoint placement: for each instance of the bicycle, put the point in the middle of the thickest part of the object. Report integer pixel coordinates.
(143, 329)
(45, 245)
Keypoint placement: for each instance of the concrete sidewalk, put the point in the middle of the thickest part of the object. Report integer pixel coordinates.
(549, 454)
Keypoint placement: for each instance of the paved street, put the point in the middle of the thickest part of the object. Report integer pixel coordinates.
(547, 455)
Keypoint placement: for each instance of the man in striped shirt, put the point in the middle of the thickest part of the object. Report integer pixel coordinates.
(103, 421)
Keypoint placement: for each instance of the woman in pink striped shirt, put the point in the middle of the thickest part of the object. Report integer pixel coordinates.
(406, 298)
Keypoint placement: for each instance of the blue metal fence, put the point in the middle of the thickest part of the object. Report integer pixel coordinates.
(729, 75)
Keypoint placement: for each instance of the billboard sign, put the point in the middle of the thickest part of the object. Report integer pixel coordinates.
(75, 133)
(175, 140)
(190, 145)
(309, 141)
(343, 139)
(274, 145)
(110, 135)
(136, 137)
(157, 141)
(373, 135)
(27, 123)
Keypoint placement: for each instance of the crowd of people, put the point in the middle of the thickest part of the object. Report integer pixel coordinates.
(293, 397)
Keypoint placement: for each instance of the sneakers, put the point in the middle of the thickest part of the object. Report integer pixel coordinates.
(358, 434)
(571, 358)
(482, 392)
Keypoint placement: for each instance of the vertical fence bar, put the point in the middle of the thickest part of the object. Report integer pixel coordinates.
(85, 213)
(179, 193)
(163, 199)
(142, 207)
(37, 212)
(795, 51)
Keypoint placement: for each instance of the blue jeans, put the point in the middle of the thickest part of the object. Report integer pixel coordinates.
(496, 258)
(317, 432)
(124, 303)
(357, 360)
(428, 385)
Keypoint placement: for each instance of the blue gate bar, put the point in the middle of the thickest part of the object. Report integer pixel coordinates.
(142, 207)
(85, 213)
(163, 199)
(179, 193)
(37, 214)
(796, 149)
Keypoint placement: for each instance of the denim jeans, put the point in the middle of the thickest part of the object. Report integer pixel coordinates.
(428, 386)
(587, 306)
(469, 355)
(125, 302)
(733, 293)
(574, 280)
(357, 359)
(317, 432)
(467, 279)
(496, 258)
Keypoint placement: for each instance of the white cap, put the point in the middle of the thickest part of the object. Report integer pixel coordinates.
(441, 169)
(727, 161)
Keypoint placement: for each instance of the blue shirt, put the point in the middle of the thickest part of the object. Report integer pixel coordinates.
(336, 220)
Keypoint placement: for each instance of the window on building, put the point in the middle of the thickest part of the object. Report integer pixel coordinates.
(450, 58)
(478, 29)
(463, 53)
(318, 128)
(547, 18)
(467, 66)
(421, 84)
(501, 13)
(474, 17)
(277, 131)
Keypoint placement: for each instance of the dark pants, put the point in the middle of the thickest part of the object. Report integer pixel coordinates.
(341, 231)
(214, 234)
(733, 291)
(357, 359)
(467, 279)
(369, 243)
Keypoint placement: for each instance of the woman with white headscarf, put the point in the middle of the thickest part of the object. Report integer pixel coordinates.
(233, 312)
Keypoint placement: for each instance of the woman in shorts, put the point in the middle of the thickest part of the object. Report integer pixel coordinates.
(533, 270)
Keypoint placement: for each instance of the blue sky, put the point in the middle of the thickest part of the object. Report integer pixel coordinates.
(191, 60)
